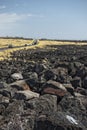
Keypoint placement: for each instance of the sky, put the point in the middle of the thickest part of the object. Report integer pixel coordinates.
(52, 19)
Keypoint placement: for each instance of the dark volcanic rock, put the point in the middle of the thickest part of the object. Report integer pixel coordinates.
(45, 103)
(61, 74)
(76, 106)
(2, 109)
(5, 92)
(32, 80)
(82, 72)
(1, 85)
(69, 88)
(81, 90)
(16, 107)
(39, 68)
(72, 69)
(33, 76)
(48, 75)
(54, 84)
(58, 121)
(85, 82)
(25, 95)
(78, 65)
(58, 75)
(76, 82)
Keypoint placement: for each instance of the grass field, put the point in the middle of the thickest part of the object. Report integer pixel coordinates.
(14, 42)
(44, 43)
(19, 42)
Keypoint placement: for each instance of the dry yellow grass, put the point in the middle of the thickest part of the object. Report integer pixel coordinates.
(20, 42)
(45, 43)
(14, 42)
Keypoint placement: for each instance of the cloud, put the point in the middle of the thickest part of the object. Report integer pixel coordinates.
(2, 7)
(14, 17)
(10, 18)
(35, 15)
(10, 23)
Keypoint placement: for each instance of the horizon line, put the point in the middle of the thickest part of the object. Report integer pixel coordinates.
(50, 39)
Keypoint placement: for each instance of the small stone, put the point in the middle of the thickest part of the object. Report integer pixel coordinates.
(17, 76)
(76, 82)
(81, 91)
(53, 91)
(49, 75)
(69, 88)
(20, 85)
(56, 85)
(2, 108)
(26, 95)
(33, 75)
(1, 85)
(39, 68)
(78, 64)
(5, 99)
(78, 94)
(5, 92)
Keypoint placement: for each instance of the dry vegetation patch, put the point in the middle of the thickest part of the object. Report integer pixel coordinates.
(51, 45)
(43, 43)
(14, 42)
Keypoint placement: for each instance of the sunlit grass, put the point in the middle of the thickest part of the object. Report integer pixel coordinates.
(47, 43)
(20, 42)
(14, 42)
(7, 53)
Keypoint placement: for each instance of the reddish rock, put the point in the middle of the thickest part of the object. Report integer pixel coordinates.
(20, 85)
(55, 85)
(57, 92)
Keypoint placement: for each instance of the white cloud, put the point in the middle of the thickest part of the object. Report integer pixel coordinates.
(11, 23)
(2, 7)
(35, 15)
(10, 18)
(13, 17)
(29, 15)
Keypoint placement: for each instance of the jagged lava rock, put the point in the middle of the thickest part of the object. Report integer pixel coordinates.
(54, 84)
(20, 85)
(25, 95)
(43, 104)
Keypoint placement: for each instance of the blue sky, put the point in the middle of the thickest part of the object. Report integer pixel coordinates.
(55, 19)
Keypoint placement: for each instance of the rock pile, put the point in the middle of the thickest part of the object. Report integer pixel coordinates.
(44, 89)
